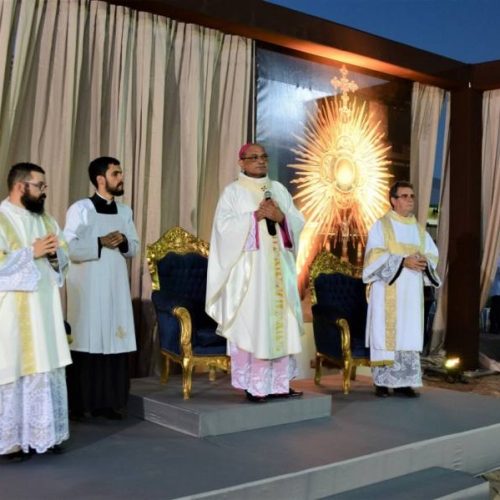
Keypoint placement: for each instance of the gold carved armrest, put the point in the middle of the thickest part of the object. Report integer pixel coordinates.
(345, 333)
(182, 314)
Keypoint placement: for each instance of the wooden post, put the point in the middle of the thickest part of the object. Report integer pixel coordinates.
(462, 331)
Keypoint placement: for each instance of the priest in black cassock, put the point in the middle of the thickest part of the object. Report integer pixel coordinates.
(101, 235)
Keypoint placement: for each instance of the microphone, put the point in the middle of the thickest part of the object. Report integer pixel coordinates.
(271, 225)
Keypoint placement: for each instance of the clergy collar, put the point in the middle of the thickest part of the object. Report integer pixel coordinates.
(259, 184)
(404, 220)
(108, 202)
(102, 205)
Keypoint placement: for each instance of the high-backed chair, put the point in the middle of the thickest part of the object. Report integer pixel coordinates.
(339, 316)
(178, 266)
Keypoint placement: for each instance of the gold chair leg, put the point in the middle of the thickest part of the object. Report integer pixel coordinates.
(353, 373)
(165, 371)
(317, 371)
(347, 375)
(211, 372)
(187, 378)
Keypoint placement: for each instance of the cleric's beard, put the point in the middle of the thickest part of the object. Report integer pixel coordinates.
(35, 205)
(116, 191)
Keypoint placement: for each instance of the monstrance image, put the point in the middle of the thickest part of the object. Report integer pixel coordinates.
(341, 175)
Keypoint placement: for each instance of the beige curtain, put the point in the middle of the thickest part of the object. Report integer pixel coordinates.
(439, 325)
(426, 106)
(490, 195)
(81, 78)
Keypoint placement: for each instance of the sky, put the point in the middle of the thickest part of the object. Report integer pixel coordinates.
(464, 30)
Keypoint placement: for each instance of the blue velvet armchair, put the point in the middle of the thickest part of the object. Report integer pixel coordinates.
(178, 266)
(339, 316)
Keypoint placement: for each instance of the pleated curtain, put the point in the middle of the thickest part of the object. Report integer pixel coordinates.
(427, 106)
(81, 79)
(490, 191)
(439, 324)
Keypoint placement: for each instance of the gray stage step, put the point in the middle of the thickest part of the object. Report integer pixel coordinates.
(433, 483)
(215, 408)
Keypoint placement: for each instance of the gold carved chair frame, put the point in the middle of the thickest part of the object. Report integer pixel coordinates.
(327, 263)
(181, 242)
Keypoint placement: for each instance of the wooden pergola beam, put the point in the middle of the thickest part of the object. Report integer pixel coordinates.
(485, 76)
(289, 29)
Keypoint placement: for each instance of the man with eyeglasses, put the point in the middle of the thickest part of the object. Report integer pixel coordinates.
(400, 257)
(101, 236)
(252, 283)
(33, 345)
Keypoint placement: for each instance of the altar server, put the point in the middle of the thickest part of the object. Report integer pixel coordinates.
(101, 236)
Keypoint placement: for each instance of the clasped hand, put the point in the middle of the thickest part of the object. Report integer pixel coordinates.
(268, 209)
(45, 246)
(112, 240)
(415, 262)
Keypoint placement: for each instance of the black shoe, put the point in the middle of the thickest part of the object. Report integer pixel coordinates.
(255, 399)
(406, 392)
(292, 393)
(15, 457)
(77, 416)
(57, 449)
(381, 391)
(111, 414)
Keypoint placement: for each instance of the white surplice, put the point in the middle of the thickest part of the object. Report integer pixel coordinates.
(99, 303)
(396, 300)
(18, 271)
(252, 282)
(33, 345)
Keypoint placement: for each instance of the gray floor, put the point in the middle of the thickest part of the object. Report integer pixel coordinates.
(137, 459)
(489, 344)
(432, 483)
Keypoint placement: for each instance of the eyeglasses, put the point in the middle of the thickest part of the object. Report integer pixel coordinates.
(255, 157)
(40, 185)
(405, 196)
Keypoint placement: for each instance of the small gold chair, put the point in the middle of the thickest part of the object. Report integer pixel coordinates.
(339, 316)
(178, 266)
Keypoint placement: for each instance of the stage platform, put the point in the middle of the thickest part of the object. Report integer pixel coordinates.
(215, 408)
(367, 441)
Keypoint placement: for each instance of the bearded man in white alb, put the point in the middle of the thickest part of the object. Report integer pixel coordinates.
(252, 283)
(400, 258)
(33, 345)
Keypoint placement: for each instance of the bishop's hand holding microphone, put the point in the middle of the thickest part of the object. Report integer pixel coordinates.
(270, 211)
(271, 225)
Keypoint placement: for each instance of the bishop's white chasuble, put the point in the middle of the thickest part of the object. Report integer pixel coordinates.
(252, 283)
